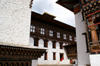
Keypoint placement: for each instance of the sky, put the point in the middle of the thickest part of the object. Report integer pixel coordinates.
(50, 6)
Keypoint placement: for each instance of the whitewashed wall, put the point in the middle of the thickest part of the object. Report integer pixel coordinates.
(95, 60)
(15, 22)
(83, 57)
(50, 51)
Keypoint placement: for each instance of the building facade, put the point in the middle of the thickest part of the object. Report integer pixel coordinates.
(15, 22)
(54, 36)
(87, 18)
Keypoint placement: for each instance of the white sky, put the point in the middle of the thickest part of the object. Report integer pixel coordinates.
(51, 7)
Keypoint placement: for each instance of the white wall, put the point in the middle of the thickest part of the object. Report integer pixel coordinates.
(50, 51)
(95, 60)
(83, 57)
(14, 22)
(34, 62)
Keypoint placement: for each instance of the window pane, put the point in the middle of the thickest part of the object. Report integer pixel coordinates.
(58, 35)
(50, 33)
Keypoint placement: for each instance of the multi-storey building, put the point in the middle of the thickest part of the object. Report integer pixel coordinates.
(55, 36)
(15, 22)
(87, 17)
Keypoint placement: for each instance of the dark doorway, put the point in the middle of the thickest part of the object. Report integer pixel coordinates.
(61, 56)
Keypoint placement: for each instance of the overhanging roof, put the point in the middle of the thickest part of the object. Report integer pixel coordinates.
(49, 19)
(69, 4)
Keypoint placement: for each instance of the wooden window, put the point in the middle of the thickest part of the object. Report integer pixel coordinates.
(61, 45)
(54, 44)
(50, 33)
(58, 35)
(36, 41)
(45, 56)
(74, 38)
(42, 31)
(54, 56)
(45, 43)
(70, 38)
(32, 29)
(64, 36)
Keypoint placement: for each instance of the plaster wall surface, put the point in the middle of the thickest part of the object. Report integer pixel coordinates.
(83, 57)
(95, 60)
(50, 51)
(15, 22)
(34, 62)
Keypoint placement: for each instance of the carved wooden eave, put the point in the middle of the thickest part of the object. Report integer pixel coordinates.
(19, 53)
(91, 8)
(49, 19)
(69, 4)
(71, 51)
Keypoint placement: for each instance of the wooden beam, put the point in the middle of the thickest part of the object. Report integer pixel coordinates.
(68, 2)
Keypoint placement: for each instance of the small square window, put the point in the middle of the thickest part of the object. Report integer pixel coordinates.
(58, 35)
(42, 31)
(70, 38)
(50, 33)
(74, 38)
(64, 36)
(32, 28)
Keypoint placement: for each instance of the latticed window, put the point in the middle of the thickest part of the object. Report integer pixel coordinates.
(64, 36)
(58, 35)
(74, 38)
(42, 31)
(70, 38)
(32, 28)
(50, 33)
